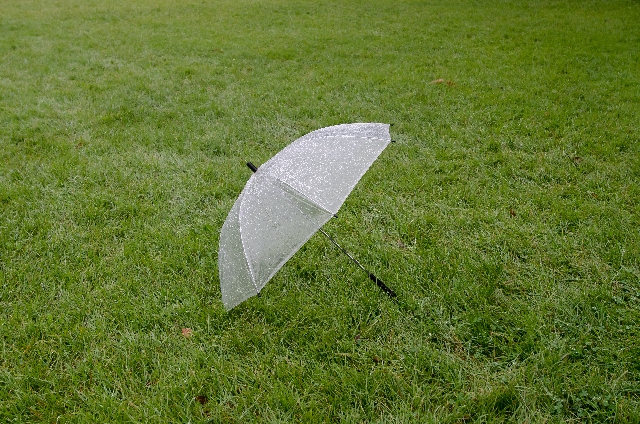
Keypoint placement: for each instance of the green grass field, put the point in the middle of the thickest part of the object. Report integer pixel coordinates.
(506, 216)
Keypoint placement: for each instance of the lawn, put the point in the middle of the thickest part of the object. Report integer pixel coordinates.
(506, 216)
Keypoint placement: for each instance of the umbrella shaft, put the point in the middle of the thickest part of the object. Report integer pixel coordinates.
(372, 277)
(344, 251)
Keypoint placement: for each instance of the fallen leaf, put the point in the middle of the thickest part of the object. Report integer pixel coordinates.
(34, 412)
(202, 399)
(443, 81)
(512, 212)
(187, 332)
(376, 359)
(358, 337)
(577, 159)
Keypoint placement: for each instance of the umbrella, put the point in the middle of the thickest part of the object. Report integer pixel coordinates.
(288, 199)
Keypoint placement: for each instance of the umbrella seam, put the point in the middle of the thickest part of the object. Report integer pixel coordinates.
(244, 249)
(301, 194)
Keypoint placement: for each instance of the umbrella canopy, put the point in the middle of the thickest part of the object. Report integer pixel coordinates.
(288, 199)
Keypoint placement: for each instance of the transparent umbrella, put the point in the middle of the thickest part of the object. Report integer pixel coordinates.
(288, 199)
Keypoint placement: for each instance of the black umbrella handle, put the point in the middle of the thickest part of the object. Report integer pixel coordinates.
(373, 278)
(382, 285)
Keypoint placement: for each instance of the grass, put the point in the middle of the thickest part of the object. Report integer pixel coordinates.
(506, 216)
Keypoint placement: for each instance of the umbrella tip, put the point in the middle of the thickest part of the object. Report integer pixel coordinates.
(252, 166)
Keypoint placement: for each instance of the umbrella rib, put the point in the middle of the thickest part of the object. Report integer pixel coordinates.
(304, 196)
(245, 256)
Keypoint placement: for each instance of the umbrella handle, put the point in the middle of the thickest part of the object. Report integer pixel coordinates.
(373, 278)
(382, 285)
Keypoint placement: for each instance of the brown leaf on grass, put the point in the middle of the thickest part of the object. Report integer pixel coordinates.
(36, 413)
(202, 399)
(577, 159)
(512, 212)
(376, 359)
(187, 332)
(443, 81)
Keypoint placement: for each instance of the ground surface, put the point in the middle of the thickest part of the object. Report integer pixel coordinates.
(506, 216)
